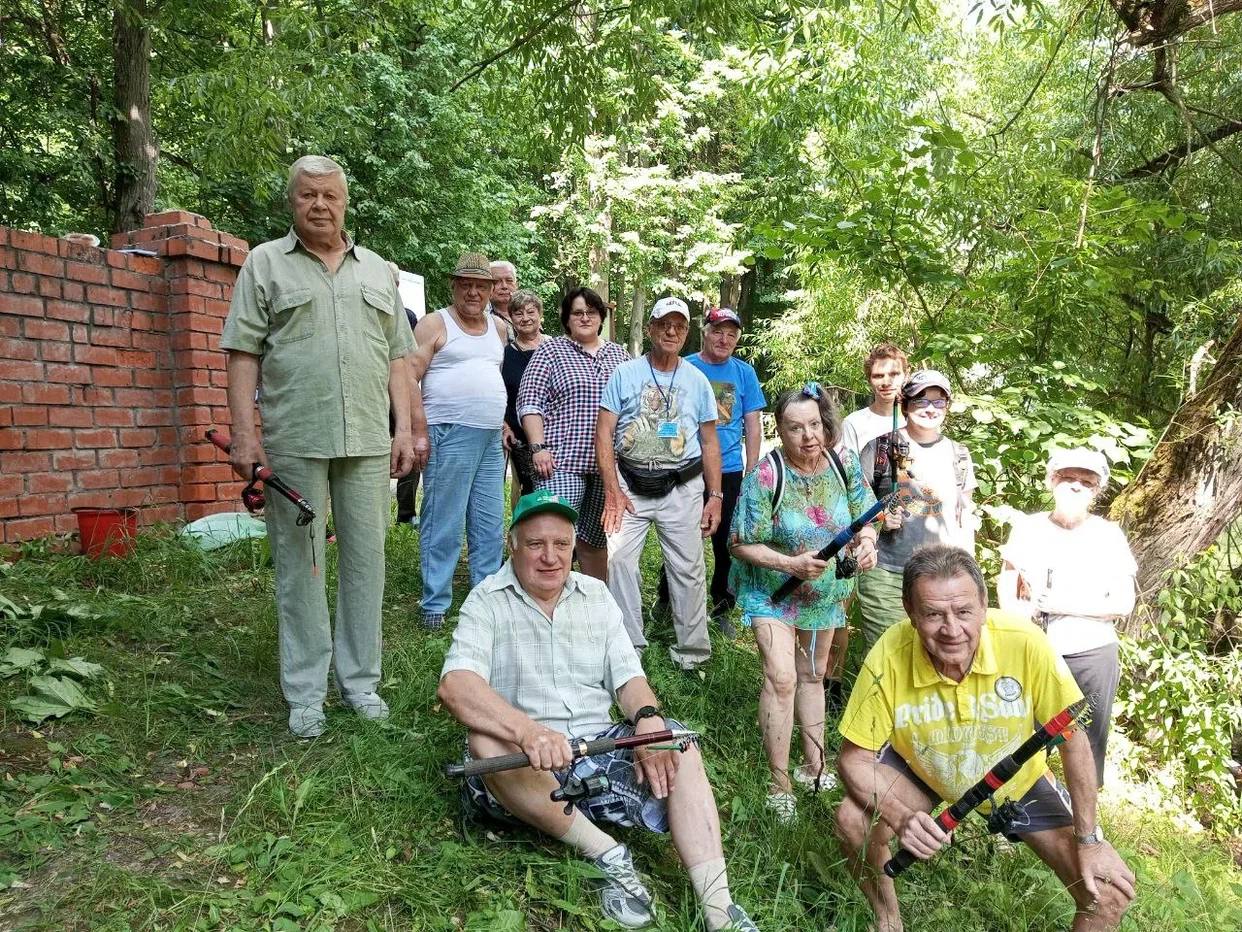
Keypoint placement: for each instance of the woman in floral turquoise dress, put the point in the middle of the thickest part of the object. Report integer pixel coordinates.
(819, 496)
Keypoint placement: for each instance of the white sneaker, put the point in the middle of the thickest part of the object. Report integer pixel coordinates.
(623, 897)
(784, 806)
(808, 780)
(307, 722)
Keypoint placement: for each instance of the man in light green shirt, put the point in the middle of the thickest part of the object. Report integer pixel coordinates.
(320, 319)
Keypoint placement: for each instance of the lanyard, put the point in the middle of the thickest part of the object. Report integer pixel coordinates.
(667, 399)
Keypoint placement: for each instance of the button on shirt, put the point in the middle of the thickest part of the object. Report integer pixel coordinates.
(952, 733)
(563, 383)
(326, 341)
(564, 671)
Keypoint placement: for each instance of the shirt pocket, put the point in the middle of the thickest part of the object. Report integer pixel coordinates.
(293, 318)
(378, 304)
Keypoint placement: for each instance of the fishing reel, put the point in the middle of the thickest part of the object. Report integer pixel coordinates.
(252, 496)
(847, 566)
(577, 788)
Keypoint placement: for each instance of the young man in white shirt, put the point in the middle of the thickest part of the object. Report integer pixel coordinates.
(886, 368)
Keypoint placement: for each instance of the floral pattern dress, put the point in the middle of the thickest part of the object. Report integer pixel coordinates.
(813, 510)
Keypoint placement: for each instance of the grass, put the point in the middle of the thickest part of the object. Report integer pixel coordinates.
(181, 802)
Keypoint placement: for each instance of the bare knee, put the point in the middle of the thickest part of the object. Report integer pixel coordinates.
(852, 823)
(783, 683)
(1108, 909)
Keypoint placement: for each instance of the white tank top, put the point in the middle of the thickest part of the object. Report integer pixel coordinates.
(463, 384)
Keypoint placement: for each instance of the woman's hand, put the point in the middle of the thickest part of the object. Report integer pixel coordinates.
(807, 565)
(864, 552)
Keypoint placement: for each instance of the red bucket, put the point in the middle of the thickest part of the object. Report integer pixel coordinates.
(108, 531)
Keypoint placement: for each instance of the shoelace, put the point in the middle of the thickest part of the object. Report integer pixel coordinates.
(623, 874)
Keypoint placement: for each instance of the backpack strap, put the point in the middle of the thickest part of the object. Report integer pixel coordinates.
(836, 462)
(961, 456)
(778, 471)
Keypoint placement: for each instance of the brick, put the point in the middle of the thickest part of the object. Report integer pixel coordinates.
(119, 336)
(49, 482)
(8, 258)
(132, 281)
(96, 274)
(106, 499)
(68, 310)
(164, 514)
(206, 323)
(11, 326)
(219, 379)
(25, 305)
(12, 439)
(45, 330)
(113, 377)
(97, 479)
(55, 352)
(50, 288)
(155, 342)
(10, 392)
(8, 506)
(66, 524)
(34, 242)
(158, 456)
(102, 317)
(73, 460)
(83, 252)
(45, 394)
(41, 504)
(169, 217)
(137, 398)
(210, 472)
(28, 529)
(146, 302)
(93, 395)
(49, 439)
(6, 416)
(29, 416)
(186, 304)
(73, 291)
(98, 437)
(137, 437)
(153, 378)
(153, 417)
(167, 436)
(41, 264)
(21, 370)
(104, 294)
(18, 350)
(145, 265)
(97, 355)
(198, 493)
(27, 462)
(80, 375)
(10, 486)
(119, 459)
(24, 283)
(69, 417)
(201, 396)
(114, 417)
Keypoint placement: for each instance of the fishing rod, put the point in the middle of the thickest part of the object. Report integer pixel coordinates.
(676, 738)
(835, 546)
(252, 495)
(1001, 773)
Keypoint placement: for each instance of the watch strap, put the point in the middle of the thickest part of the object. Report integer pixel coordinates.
(647, 711)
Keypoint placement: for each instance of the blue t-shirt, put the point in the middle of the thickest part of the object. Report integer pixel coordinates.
(643, 398)
(737, 394)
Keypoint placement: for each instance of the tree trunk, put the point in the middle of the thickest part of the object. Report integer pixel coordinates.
(637, 317)
(599, 256)
(133, 142)
(1191, 488)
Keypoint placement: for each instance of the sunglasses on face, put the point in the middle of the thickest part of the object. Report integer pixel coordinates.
(922, 404)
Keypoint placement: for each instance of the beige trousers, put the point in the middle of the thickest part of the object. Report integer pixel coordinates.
(676, 517)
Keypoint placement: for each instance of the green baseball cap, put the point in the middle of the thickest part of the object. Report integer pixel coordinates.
(544, 500)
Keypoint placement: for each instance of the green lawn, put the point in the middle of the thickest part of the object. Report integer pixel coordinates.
(182, 802)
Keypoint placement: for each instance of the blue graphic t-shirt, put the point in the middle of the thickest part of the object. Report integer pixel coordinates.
(644, 399)
(737, 392)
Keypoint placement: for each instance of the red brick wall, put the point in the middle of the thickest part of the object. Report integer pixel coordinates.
(110, 375)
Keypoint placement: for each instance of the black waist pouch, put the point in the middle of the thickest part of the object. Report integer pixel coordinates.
(656, 483)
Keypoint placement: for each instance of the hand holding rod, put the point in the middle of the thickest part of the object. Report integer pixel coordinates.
(835, 546)
(580, 748)
(1000, 774)
(264, 474)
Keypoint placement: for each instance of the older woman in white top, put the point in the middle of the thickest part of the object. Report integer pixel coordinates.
(1073, 573)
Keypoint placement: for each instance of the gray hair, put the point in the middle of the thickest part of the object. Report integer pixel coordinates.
(524, 297)
(318, 166)
(940, 561)
(503, 264)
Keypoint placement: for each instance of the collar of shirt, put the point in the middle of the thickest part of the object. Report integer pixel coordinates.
(924, 672)
(292, 241)
(507, 579)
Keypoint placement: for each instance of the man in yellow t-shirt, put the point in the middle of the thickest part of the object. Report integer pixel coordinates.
(937, 703)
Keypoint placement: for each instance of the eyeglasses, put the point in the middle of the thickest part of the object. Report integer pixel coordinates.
(921, 404)
(585, 313)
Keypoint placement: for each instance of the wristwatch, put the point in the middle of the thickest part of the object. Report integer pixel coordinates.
(1091, 838)
(647, 711)
(537, 448)
(716, 494)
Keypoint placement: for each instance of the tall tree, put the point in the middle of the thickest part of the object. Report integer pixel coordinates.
(136, 155)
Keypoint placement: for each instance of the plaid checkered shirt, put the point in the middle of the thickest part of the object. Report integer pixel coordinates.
(563, 384)
(564, 671)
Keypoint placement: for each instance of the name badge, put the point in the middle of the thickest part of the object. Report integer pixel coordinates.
(667, 430)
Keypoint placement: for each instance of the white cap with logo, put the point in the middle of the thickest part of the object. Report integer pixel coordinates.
(670, 305)
(1079, 458)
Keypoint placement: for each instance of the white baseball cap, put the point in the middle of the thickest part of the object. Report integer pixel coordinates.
(1079, 458)
(666, 306)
